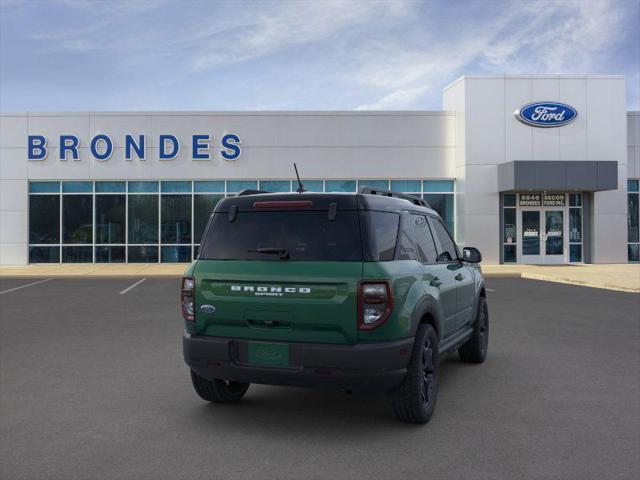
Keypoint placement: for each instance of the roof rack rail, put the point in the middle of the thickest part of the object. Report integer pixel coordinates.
(250, 191)
(390, 193)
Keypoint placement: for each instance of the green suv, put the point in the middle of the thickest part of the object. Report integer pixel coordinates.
(354, 292)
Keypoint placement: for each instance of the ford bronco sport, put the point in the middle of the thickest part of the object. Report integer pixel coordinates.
(362, 292)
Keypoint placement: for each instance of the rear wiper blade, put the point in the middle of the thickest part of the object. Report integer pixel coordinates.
(283, 252)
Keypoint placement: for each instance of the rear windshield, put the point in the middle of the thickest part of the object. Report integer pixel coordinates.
(275, 235)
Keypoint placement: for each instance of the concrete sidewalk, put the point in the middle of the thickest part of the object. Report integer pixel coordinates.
(622, 277)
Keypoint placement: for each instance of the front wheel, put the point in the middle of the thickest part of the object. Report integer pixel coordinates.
(218, 391)
(415, 399)
(474, 350)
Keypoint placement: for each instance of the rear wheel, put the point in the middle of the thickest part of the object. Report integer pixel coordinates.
(474, 350)
(415, 399)
(219, 391)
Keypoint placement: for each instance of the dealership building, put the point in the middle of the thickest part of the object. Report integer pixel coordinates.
(529, 169)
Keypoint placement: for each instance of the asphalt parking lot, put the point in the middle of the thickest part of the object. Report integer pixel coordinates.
(92, 385)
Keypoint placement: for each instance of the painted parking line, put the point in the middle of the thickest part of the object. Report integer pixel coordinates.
(25, 286)
(130, 287)
(490, 290)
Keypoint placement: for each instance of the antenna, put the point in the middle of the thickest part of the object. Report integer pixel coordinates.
(300, 188)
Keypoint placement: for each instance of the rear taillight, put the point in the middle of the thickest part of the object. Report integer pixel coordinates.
(375, 303)
(188, 287)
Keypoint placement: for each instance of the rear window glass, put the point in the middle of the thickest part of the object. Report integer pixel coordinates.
(304, 235)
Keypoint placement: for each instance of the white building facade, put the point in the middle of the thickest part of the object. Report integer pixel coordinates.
(140, 186)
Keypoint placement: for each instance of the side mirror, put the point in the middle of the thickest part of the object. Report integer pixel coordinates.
(471, 255)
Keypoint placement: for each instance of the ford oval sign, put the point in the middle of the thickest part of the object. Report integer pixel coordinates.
(546, 114)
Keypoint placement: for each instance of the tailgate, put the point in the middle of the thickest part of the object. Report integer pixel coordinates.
(293, 301)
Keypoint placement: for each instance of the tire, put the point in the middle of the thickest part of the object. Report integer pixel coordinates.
(475, 349)
(218, 391)
(415, 400)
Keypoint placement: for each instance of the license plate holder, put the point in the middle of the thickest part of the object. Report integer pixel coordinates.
(269, 354)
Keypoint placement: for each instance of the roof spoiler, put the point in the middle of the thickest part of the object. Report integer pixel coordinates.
(390, 193)
(250, 192)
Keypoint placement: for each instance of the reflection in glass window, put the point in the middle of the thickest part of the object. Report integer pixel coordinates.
(77, 219)
(210, 186)
(110, 218)
(77, 187)
(236, 186)
(143, 254)
(203, 206)
(143, 187)
(340, 186)
(407, 186)
(143, 219)
(176, 219)
(110, 187)
(424, 240)
(382, 184)
(575, 253)
(44, 254)
(443, 204)
(108, 254)
(176, 254)
(382, 229)
(44, 219)
(632, 217)
(44, 187)
(510, 254)
(310, 185)
(447, 251)
(438, 186)
(509, 200)
(276, 185)
(510, 227)
(175, 187)
(77, 254)
(575, 225)
(634, 252)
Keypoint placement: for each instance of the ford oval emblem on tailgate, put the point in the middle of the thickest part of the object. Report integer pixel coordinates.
(208, 308)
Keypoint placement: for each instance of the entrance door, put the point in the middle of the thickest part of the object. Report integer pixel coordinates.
(542, 236)
(531, 236)
(553, 236)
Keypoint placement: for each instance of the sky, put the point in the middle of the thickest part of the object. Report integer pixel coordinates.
(297, 55)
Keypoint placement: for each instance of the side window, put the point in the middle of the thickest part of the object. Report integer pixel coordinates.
(447, 251)
(424, 241)
(405, 249)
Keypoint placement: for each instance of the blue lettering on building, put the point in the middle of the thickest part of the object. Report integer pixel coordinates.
(130, 144)
(102, 147)
(230, 147)
(36, 147)
(69, 143)
(106, 152)
(165, 140)
(200, 147)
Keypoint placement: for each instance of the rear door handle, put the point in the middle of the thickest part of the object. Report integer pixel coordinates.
(436, 282)
(459, 277)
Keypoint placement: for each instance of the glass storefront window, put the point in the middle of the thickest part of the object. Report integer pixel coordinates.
(77, 219)
(44, 254)
(110, 221)
(340, 185)
(77, 254)
(575, 253)
(110, 254)
(575, 200)
(235, 186)
(439, 186)
(443, 204)
(510, 255)
(382, 184)
(209, 186)
(143, 187)
(575, 225)
(176, 254)
(143, 219)
(275, 185)
(143, 254)
(175, 187)
(175, 226)
(77, 187)
(111, 187)
(310, 185)
(408, 186)
(510, 231)
(110, 218)
(44, 219)
(203, 206)
(633, 214)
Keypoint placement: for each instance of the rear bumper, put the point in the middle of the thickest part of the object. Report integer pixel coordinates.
(379, 366)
